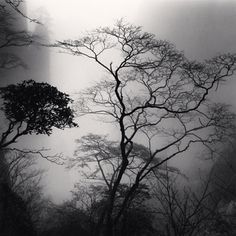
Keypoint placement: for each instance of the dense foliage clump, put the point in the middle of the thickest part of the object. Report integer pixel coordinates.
(40, 105)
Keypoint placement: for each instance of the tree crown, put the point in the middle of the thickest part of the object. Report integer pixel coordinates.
(39, 105)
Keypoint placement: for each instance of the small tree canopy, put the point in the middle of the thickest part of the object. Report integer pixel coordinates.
(39, 105)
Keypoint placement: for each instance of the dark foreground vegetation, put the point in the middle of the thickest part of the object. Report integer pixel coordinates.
(158, 101)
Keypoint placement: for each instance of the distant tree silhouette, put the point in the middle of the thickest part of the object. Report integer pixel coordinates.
(152, 92)
(12, 36)
(21, 173)
(224, 174)
(99, 160)
(65, 220)
(136, 219)
(28, 108)
(15, 219)
(184, 210)
(20, 192)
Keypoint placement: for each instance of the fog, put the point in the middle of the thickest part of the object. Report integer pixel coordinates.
(117, 117)
(202, 29)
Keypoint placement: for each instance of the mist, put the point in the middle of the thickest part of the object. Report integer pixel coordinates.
(201, 30)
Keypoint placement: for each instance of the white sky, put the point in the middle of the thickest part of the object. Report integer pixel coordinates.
(200, 28)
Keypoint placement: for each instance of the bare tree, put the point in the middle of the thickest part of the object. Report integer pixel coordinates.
(184, 210)
(64, 219)
(20, 173)
(154, 95)
(92, 200)
(100, 161)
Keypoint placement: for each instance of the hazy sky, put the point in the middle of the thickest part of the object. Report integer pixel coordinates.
(200, 28)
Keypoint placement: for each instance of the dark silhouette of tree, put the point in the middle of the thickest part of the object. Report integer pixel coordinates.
(24, 178)
(15, 218)
(31, 107)
(168, 87)
(184, 210)
(21, 200)
(92, 200)
(65, 220)
(224, 173)
(137, 221)
(99, 160)
(21, 196)
(151, 91)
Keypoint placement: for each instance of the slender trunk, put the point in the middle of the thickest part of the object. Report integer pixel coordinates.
(128, 198)
(109, 222)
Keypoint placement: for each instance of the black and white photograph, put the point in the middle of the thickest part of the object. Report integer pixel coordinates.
(118, 118)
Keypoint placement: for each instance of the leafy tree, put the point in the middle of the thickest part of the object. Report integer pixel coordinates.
(153, 94)
(32, 107)
(29, 108)
(20, 192)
